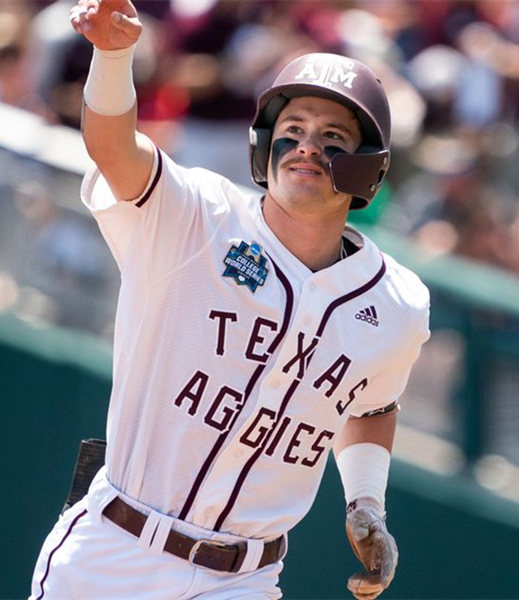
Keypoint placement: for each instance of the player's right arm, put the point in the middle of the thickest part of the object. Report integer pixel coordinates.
(363, 453)
(109, 125)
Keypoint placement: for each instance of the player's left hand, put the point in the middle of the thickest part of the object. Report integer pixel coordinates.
(374, 546)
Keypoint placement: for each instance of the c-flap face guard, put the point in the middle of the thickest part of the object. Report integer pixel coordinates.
(359, 174)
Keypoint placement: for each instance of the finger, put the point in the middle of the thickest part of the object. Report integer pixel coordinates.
(131, 26)
(383, 556)
(365, 585)
(73, 17)
(365, 596)
(92, 7)
(81, 14)
(360, 531)
(78, 18)
(361, 524)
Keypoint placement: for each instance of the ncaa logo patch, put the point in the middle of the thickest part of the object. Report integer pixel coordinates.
(246, 265)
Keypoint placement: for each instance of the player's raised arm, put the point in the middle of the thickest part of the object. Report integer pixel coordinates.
(124, 156)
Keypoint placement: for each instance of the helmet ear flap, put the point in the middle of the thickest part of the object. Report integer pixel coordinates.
(259, 153)
(359, 174)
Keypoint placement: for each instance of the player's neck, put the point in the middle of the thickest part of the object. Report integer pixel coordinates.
(315, 239)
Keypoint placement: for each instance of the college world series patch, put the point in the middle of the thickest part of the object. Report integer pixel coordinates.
(246, 265)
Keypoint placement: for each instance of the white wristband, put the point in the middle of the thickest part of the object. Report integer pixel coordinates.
(109, 88)
(364, 470)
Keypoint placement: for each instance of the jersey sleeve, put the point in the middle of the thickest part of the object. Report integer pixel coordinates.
(166, 224)
(389, 382)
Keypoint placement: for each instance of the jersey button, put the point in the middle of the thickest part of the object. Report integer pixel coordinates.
(274, 383)
(307, 320)
(312, 286)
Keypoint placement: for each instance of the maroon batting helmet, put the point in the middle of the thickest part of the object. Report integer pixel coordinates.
(350, 83)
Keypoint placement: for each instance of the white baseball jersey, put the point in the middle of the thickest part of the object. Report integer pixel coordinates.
(235, 366)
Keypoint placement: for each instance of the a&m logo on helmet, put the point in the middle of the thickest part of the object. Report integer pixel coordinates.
(329, 72)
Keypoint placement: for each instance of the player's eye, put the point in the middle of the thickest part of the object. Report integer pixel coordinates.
(333, 135)
(294, 129)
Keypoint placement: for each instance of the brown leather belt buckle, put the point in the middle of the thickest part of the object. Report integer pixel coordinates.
(199, 545)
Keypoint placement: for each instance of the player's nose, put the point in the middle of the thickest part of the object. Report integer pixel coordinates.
(309, 146)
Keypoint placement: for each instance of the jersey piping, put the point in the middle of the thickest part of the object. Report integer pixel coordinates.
(350, 296)
(248, 389)
(153, 185)
(56, 548)
(290, 392)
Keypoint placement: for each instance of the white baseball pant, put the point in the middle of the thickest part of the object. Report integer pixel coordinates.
(87, 557)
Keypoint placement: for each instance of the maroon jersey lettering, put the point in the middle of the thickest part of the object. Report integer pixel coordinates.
(193, 391)
(333, 375)
(318, 448)
(296, 442)
(222, 317)
(342, 406)
(303, 355)
(279, 434)
(221, 421)
(257, 338)
(259, 428)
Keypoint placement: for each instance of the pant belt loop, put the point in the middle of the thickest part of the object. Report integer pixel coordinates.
(253, 556)
(148, 531)
(100, 494)
(285, 547)
(161, 534)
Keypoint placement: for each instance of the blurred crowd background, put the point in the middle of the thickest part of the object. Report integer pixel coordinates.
(451, 70)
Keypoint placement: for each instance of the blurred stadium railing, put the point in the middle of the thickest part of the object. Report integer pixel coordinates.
(460, 411)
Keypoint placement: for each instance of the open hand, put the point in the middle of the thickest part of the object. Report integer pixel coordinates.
(107, 24)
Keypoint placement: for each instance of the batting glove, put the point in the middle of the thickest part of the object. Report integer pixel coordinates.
(374, 546)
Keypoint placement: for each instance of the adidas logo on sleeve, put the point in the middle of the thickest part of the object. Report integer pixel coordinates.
(369, 315)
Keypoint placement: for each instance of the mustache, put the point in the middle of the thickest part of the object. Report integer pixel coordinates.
(310, 161)
(328, 152)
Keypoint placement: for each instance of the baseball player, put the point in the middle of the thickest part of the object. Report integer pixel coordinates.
(252, 337)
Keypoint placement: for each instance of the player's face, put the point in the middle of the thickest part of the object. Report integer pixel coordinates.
(308, 133)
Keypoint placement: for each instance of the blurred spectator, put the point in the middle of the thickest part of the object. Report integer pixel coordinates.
(62, 259)
(16, 85)
(479, 98)
(435, 72)
(58, 60)
(449, 205)
(158, 9)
